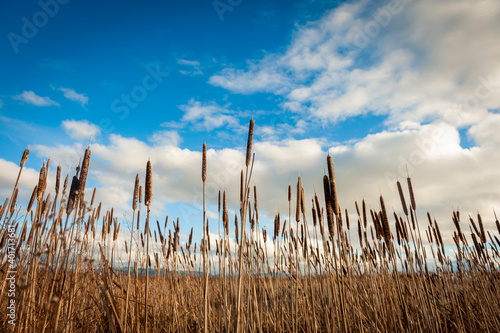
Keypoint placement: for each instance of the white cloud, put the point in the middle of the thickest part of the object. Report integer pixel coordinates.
(192, 63)
(190, 67)
(428, 61)
(165, 138)
(74, 96)
(80, 129)
(30, 97)
(205, 116)
(255, 80)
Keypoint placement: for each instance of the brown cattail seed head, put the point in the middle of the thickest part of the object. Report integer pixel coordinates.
(13, 201)
(58, 179)
(148, 194)
(299, 197)
(65, 186)
(333, 185)
(385, 221)
(218, 205)
(93, 197)
(402, 197)
(204, 163)
(365, 220)
(35, 190)
(136, 192)
(225, 214)
(249, 142)
(83, 173)
(73, 191)
(481, 228)
(42, 183)
(255, 197)
(25, 157)
(328, 204)
(302, 203)
(237, 228)
(412, 196)
(241, 186)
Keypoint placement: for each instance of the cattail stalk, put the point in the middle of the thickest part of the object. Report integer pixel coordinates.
(148, 196)
(205, 247)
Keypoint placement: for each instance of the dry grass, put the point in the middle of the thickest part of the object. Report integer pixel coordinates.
(306, 278)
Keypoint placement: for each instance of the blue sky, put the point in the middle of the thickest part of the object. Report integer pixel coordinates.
(383, 84)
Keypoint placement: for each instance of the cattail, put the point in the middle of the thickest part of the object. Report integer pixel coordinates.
(218, 205)
(136, 192)
(190, 238)
(276, 227)
(299, 198)
(456, 221)
(347, 220)
(328, 204)
(204, 163)
(360, 234)
(405, 230)
(481, 228)
(4, 206)
(83, 174)
(365, 220)
(93, 197)
(313, 212)
(237, 231)
(333, 185)
(412, 196)
(148, 193)
(318, 208)
(73, 191)
(289, 193)
(13, 201)
(65, 186)
(399, 233)
(302, 203)
(58, 179)
(385, 222)
(225, 214)
(116, 231)
(249, 142)
(264, 235)
(35, 190)
(140, 194)
(241, 187)
(42, 183)
(255, 198)
(25, 157)
(402, 197)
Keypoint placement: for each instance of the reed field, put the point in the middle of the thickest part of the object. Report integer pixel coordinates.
(319, 271)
